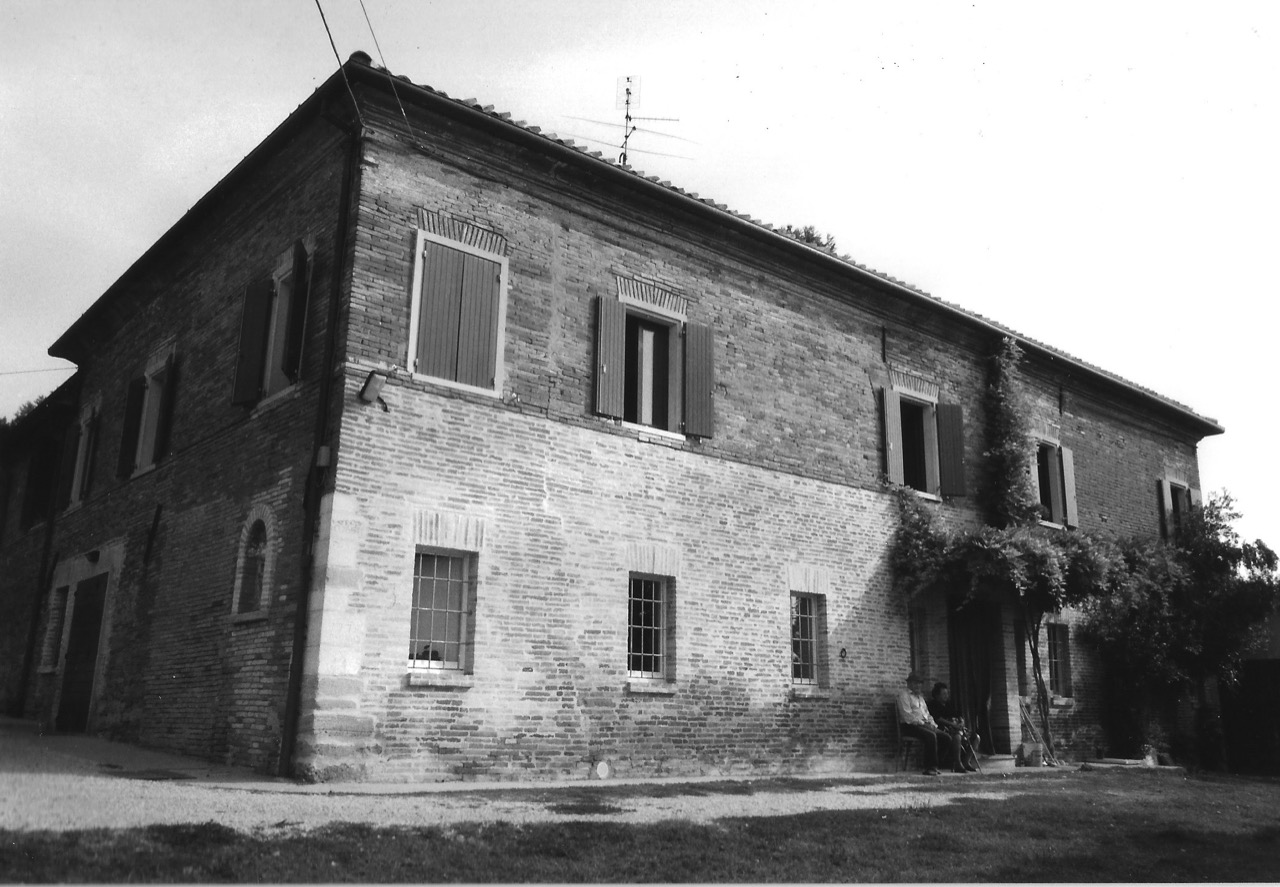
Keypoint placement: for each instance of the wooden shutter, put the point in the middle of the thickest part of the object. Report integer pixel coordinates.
(478, 321)
(1069, 488)
(164, 421)
(951, 449)
(892, 404)
(1165, 494)
(90, 455)
(254, 323)
(440, 313)
(298, 302)
(1196, 498)
(699, 380)
(132, 425)
(611, 351)
(1057, 510)
(67, 467)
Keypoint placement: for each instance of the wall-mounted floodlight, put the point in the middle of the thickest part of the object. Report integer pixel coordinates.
(372, 387)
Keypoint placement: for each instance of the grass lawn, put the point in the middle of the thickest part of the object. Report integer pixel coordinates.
(1063, 826)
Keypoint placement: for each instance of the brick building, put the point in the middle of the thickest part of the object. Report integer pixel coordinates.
(428, 446)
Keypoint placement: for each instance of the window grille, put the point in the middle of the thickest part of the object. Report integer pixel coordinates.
(439, 622)
(804, 639)
(646, 626)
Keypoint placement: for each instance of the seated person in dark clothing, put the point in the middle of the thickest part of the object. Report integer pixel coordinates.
(944, 713)
(914, 720)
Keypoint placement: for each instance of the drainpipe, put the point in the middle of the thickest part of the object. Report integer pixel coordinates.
(316, 475)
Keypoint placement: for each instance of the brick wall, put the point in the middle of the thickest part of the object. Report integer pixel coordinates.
(560, 496)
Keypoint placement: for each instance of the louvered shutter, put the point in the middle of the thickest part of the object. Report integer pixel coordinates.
(892, 404)
(132, 425)
(1166, 507)
(164, 422)
(67, 467)
(478, 321)
(1069, 488)
(611, 350)
(699, 380)
(254, 323)
(90, 456)
(951, 449)
(1056, 506)
(441, 312)
(298, 301)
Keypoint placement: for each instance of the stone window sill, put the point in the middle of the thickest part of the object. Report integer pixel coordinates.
(444, 679)
(809, 691)
(641, 687)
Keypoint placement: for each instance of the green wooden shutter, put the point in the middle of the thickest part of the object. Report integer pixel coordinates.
(132, 425)
(90, 455)
(67, 468)
(298, 302)
(611, 350)
(441, 312)
(254, 323)
(478, 321)
(164, 421)
(951, 449)
(699, 380)
(892, 405)
(1166, 507)
(1057, 507)
(1069, 488)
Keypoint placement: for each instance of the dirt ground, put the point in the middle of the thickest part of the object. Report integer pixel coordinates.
(64, 782)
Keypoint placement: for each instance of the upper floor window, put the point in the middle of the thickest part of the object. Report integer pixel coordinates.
(457, 318)
(272, 327)
(148, 413)
(654, 367)
(1176, 500)
(79, 451)
(924, 438)
(1056, 483)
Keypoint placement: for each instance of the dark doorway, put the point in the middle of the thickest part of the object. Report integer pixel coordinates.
(82, 654)
(975, 641)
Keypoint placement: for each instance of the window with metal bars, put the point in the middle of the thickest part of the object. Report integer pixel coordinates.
(648, 624)
(440, 626)
(807, 638)
(1059, 659)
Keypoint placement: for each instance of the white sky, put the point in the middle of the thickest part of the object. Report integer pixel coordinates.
(1102, 177)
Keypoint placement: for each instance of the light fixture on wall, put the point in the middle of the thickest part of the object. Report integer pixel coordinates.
(371, 390)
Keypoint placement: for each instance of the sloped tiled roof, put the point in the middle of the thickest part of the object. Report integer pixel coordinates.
(1209, 426)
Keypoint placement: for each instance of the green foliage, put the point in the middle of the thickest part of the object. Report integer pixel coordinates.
(1006, 495)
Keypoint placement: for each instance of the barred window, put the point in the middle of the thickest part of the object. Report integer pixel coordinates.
(1059, 660)
(440, 627)
(647, 624)
(808, 639)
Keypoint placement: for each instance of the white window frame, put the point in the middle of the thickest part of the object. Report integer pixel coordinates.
(1066, 513)
(817, 641)
(86, 449)
(415, 312)
(274, 379)
(1059, 659)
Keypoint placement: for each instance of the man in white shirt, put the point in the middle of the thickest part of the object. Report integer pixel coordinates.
(914, 720)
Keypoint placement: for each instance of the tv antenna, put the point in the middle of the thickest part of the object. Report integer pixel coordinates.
(629, 96)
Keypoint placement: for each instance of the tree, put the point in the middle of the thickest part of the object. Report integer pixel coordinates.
(1181, 612)
(811, 236)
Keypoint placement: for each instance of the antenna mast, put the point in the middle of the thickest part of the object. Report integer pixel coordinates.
(628, 92)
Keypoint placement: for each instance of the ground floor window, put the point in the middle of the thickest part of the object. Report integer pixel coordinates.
(650, 614)
(1059, 660)
(441, 623)
(808, 638)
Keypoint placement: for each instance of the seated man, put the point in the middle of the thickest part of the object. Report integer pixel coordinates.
(948, 718)
(914, 720)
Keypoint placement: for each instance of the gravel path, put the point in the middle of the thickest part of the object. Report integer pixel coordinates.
(65, 782)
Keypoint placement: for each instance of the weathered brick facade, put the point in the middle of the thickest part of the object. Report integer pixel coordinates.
(551, 506)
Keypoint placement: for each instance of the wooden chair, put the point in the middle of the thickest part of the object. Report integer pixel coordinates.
(906, 744)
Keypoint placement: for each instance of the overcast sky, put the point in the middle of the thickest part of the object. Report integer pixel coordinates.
(1102, 177)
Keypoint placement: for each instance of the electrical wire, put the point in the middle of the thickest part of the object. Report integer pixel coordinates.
(354, 104)
(24, 372)
(391, 80)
